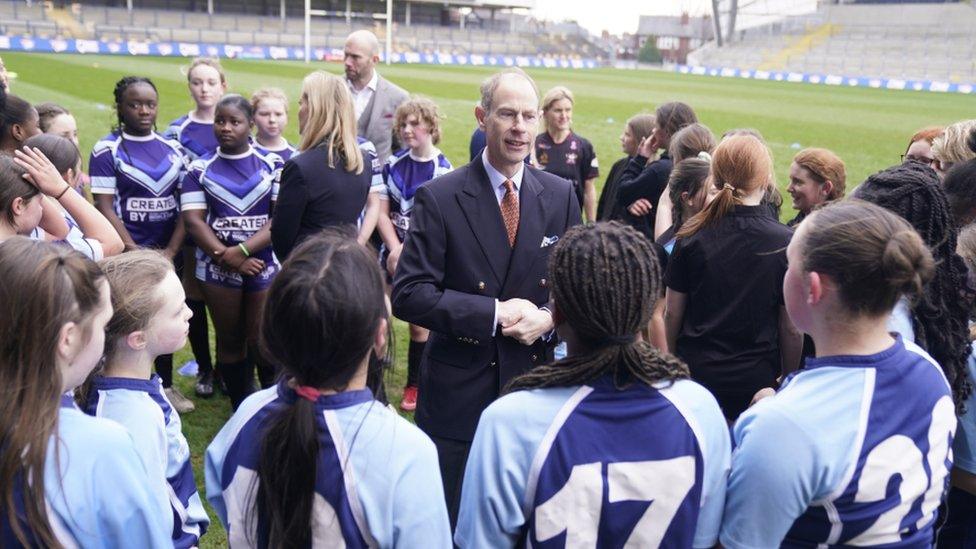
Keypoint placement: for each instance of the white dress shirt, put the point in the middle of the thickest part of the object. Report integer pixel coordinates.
(360, 98)
(498, 180)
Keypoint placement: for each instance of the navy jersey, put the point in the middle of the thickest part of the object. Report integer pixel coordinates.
(141, 406)
(285, 153)
(594, 466)
(574, 159)
(376, 482)
(237, 192)
(403, 174)
(853, 450)
(196, 137)
(143, 172)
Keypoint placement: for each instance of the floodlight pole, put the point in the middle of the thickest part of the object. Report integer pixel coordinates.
(308, 31)
(389, 31)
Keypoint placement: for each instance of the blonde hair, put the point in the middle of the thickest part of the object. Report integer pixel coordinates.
(555, 94)
(132, 277)
(951, 147)
(211, 62)
(689, 141)
(331, 120)
(425, 110)
(740, 165)
(261, 94)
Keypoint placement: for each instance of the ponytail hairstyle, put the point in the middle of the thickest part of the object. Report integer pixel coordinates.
(211, 62)
(557, 93)
(44, 287)
(331, 120)
(319, 322)
(687, 176)
(940, 316)
(671, 117)
(691, 140)
(741, 164)
(133, 278)
(120, 87)
(605, 280)
(59, 150)
(12, 187)
(823, 165)
(872, 255)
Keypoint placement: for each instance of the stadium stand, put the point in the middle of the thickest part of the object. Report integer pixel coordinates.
(908, 41)
(506, 34)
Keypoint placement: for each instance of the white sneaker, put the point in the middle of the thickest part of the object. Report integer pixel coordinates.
(182, 404)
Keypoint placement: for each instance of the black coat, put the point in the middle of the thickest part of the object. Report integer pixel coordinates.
(455, 263)
(314, 196)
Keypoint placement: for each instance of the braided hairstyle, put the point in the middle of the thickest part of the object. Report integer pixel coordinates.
(605, 279)
(940, 315)
(119, 91)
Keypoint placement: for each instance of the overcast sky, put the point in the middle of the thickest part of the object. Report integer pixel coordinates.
(616, 16)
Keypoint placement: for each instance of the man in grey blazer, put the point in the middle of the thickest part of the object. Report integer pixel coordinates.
(375, 98)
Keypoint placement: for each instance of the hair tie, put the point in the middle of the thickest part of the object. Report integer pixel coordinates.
(308, 393)
(705, 156)
(727, 187)
(619, 340)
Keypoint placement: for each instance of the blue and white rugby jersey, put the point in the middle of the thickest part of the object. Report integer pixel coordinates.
(142, 408)
(285, 153)
(377, 483)
(403, 174)
(97, 490)
(196, 137)
(592, 466)
(143, 173)
(964, 445)
(852, 451)
(372, 163)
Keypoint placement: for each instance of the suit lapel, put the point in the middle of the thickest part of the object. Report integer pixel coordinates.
(480, 206)
(532, 224)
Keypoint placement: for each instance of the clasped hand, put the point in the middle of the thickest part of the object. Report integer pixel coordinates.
(522, 320)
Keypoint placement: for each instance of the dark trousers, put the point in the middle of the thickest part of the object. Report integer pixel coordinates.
(959, 528)
(453, 456)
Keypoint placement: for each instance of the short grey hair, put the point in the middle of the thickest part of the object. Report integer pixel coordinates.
(489, 86)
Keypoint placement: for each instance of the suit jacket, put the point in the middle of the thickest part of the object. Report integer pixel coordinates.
(314, 196)
(455, 263)
(376, 122)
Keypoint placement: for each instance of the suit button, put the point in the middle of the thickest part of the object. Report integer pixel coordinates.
(481, 286)
(543, 283)
(492, 363)
(535, 358)
(476, 342)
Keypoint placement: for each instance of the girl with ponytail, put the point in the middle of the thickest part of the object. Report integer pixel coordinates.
(814, 463)
(724, 313)
(614, 408)
(316, 457)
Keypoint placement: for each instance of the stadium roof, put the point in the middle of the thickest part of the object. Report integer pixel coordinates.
(675, 25)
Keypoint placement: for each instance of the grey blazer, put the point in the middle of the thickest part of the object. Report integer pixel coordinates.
(376, 122)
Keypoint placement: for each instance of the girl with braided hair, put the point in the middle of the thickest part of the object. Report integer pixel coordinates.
(816, 463)
(135, 173)
(725, 315)
(561, 459)
(938, 319)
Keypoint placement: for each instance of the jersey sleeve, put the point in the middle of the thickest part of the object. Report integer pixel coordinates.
(493, 492)
(192, 196)
(676, 273)
(773, 480)
(384, 190)
(591, 166)
(101, 169)
(371, 162)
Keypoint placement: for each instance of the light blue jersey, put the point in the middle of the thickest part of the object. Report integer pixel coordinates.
(593, 466)
(377, 482)
(142, 408)
(97, 490)
(964, 445)
(853, 450)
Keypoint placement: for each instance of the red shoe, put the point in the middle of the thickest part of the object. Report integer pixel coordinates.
(409, 401)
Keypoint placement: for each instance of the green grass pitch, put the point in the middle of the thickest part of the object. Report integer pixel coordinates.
(868, 128)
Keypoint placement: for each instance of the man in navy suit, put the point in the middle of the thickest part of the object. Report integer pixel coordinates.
(473, 271)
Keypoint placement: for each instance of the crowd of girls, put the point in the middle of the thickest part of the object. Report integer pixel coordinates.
(834, 353)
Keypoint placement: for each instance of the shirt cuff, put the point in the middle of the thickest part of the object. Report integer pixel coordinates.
(494, 322)
(551, 334)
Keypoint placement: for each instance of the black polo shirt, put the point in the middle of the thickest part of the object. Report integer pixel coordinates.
(573, 159)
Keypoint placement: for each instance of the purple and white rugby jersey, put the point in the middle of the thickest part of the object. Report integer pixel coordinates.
(143, 172)
(195, 136)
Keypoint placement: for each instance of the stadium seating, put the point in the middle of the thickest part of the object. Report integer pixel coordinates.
(906, 41)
